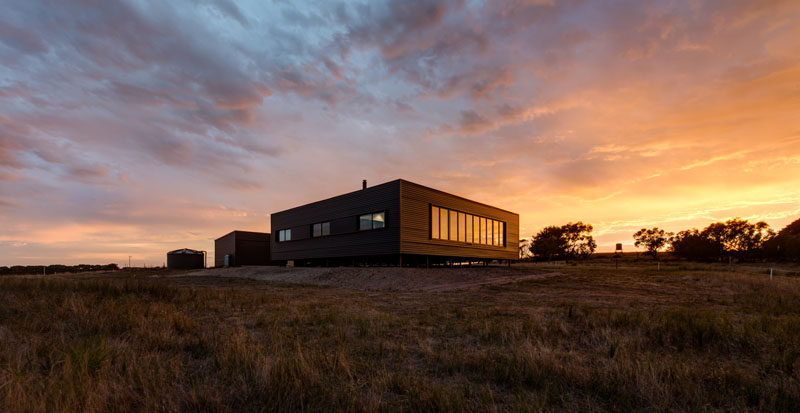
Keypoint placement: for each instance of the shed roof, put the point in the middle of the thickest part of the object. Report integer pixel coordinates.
(185, 251)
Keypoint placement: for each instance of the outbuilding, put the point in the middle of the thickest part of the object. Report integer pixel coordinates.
(186, 259)
(242, 248)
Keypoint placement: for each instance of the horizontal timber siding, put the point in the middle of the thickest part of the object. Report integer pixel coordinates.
(415, 203)
(342, 212)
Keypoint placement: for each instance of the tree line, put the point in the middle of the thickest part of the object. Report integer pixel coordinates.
(733, 239)
(52, 269)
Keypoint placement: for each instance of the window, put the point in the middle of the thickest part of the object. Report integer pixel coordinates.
(458, 226)
(320, 230)
(378, 220)
(443, 222)
(372, 221)
(469, 228)
(365, 222)
(453, 226)
(462, 227)
(284, 235)
(435, 222)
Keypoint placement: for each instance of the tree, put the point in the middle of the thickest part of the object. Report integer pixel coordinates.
(744, 239)
(564, 242)
(652, 239)
(549, 243)
(718, 235)
(785, 245)
(738, 237)
(691, 245)
(579, 241)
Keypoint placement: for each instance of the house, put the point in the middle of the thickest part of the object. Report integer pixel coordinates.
(395, 223)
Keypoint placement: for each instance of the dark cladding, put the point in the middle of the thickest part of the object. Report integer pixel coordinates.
(398, 219)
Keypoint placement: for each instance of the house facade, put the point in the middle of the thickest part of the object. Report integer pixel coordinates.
(398, 222)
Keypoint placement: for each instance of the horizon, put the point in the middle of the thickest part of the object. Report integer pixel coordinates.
(137, 128)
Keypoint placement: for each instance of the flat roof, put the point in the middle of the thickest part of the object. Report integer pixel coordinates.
(246, 232)
(392, 182)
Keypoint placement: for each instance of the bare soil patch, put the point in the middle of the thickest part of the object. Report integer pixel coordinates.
(385, 278)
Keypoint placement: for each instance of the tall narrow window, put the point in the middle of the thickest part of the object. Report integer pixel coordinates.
(435, 222)
(469, 228)
(443, 221)
(502, 226)
(453, 226)
(462, 227)
(476, 225)
(483, 231)
(496, 233)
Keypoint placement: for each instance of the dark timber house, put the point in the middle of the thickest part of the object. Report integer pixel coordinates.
(396, 223)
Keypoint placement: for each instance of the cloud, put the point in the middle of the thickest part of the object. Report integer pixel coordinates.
(126, 123)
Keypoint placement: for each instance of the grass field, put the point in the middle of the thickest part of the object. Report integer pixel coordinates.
(687, 337)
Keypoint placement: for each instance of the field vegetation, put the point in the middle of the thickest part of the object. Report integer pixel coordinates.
(682, 337)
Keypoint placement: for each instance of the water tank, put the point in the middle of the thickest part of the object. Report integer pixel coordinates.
(185, 259)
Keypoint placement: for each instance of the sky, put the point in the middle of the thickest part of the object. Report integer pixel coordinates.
(131, 128)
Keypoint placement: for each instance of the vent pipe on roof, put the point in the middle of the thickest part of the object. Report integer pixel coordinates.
(364, 184)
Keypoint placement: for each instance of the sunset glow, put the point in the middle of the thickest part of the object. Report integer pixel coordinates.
(134, 128)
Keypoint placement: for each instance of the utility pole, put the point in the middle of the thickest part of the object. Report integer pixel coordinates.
(129, 261)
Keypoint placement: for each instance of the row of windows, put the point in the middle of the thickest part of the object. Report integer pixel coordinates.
(321, 229)
(452, 225)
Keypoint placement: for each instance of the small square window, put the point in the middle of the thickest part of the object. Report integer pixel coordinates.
(365, 222)
(378, 220)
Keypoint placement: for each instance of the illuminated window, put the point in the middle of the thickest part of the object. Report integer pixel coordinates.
(462, 227)
(372, 221)
(378, 220)
(476, 226)
(435, 222)
(469, 228)
(458, 226)
(320, 230)
(482, 233)
(453, 226)
(443, 223)
(284, 235)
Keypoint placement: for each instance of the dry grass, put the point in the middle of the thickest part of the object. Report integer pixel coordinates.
(594, 338)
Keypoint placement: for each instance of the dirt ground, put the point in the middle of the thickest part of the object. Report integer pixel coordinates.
(384, 278)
